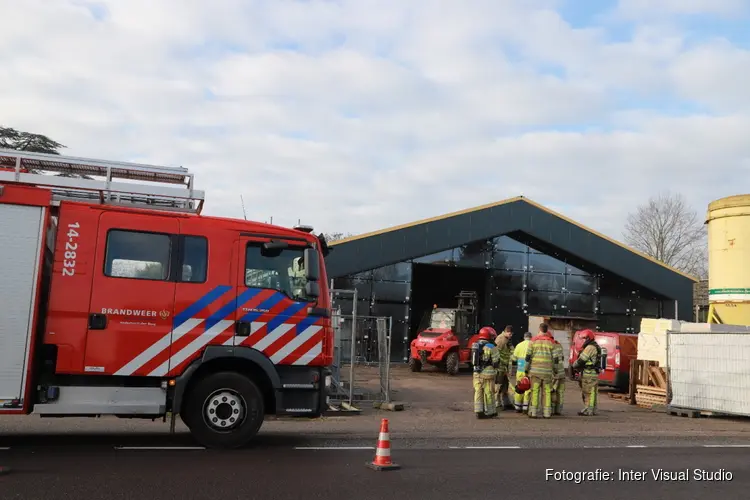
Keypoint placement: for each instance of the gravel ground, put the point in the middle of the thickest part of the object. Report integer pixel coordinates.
(436, 405)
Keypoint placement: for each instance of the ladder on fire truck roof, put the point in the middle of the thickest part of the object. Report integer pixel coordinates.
(171, 188)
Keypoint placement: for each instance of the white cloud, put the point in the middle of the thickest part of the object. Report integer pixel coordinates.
(356, 115)
(642, 8)
(714, 75)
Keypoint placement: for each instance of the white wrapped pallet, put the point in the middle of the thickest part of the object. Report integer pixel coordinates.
(652, 339)
(709, 368)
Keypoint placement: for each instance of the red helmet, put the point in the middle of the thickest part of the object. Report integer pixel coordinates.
(487, 333)
(523, 385)
(587, 335)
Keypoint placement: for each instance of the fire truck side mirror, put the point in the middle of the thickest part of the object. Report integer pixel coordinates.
(312, 268)
(312, 289)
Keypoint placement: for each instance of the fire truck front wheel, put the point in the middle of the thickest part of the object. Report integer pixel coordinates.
(225, 410)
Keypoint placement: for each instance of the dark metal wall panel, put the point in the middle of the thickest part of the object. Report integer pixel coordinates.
(407, 243)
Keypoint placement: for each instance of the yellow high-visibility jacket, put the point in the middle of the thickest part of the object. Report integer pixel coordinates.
(519, 357)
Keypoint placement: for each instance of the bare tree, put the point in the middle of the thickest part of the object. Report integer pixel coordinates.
(667, 229)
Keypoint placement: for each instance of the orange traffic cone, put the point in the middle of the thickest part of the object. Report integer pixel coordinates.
(383, 452)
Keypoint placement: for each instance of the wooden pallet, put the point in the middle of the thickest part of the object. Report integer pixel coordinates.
(691, 413)
(646, 400)
(648, 384)
(683, 412)
(648, 395)
(619, 396)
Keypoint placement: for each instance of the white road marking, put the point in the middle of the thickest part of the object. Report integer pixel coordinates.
(159, 448)
(4, 447)
(636, 446)
(484, 447)
(492, 447)
(726, 445)
(334, 447)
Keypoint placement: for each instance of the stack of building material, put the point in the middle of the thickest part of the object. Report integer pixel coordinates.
(652, 339)
(648, 381)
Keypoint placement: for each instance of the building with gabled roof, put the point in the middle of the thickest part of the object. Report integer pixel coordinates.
(521, 258)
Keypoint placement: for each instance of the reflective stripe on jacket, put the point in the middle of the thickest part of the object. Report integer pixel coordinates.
(504, 350)
(541, 356)
(588, 358)
(560, 356)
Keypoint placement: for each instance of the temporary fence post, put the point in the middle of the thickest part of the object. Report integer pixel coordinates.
(668, 359)
(352, 351)
(388, 333)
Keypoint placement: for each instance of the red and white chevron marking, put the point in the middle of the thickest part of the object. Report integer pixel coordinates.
(282, 345)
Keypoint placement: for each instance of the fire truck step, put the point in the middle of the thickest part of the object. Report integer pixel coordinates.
(106, 401)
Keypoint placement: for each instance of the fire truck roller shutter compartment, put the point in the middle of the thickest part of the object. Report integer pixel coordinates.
(21, 237)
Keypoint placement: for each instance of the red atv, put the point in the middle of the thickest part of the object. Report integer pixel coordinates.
(446, 342)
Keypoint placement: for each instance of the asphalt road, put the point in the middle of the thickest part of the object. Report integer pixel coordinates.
(42, 442)
(288, 473)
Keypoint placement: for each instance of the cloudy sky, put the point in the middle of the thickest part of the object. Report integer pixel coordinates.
(356, 115)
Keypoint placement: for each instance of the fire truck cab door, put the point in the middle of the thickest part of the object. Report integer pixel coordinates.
(271, 316)
(132, 296)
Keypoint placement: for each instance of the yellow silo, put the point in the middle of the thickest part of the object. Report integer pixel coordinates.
(728, 222)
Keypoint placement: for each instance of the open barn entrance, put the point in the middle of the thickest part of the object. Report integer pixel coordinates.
(439, 284)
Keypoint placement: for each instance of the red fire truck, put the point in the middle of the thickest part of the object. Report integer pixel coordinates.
(120, 298)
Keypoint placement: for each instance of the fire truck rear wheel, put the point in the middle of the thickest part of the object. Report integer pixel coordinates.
(225, 410)
(452, 363)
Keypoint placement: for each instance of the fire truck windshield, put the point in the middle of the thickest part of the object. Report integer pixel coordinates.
(282, 270)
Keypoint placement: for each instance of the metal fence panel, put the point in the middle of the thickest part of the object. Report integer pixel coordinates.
(384, 357)
(362, 348)
(709, 371)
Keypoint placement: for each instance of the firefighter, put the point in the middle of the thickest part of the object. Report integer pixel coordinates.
(542, 369)
(502, 382)
(297, 275)
(518, 361)
(485, 358)
(558, 385)
(589, 364)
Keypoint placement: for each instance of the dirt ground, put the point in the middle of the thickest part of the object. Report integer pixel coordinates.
(436, 405)
(436, 401)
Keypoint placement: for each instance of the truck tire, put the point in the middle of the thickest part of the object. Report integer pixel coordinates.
(415, 365)
(452, 363)
(225, 410)
(185, 417)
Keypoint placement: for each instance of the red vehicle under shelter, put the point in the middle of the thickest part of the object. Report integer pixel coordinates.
(447, 340)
